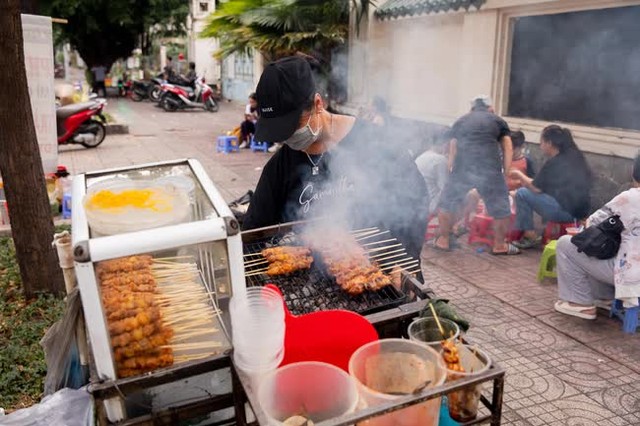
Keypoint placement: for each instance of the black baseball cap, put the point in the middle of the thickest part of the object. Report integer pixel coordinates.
(284, 88)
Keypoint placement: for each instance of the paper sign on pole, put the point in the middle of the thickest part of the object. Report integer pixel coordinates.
(38, 56)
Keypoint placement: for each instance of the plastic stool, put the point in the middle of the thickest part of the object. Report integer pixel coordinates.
(227, 144)
(555, 230)
(628, 316)
(432, 229)
(258, 146)
(547, 268)
(66, 206)
(481, 230)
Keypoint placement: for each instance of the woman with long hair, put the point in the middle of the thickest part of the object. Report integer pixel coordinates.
(560, 191)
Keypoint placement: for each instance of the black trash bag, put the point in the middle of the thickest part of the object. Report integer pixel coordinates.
(444, 310)
(601, 241)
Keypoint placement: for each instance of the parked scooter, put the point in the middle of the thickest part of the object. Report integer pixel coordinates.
(82, 123)
(176, 97)
(140, 90)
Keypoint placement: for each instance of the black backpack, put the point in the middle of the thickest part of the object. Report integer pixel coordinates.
(601, 241)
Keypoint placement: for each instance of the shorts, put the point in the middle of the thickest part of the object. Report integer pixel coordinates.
(491, 186)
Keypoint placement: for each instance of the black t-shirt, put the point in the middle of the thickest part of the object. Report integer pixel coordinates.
(566, 178)
(478, 148)
(363, 181)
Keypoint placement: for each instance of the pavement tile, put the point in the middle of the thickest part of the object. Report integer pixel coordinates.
(560, 370)
(581, 330)
(578, 410)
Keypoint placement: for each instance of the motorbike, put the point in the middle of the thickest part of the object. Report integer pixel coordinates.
(124, 86)
(155, 87)
(82, 123)
(140, 90)
(175, 97)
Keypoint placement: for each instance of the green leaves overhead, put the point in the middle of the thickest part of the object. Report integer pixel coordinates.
(106, 30)
(282, 27)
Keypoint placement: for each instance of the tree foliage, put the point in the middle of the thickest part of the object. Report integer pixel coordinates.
(103, 31)
(278, 28)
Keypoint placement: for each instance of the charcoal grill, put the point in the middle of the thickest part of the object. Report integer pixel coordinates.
(315, 289)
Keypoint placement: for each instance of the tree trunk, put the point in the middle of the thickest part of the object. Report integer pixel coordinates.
(20, 164)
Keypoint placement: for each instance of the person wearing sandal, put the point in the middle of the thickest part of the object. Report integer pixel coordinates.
(475, 162)
(583, 281)
(559, 192)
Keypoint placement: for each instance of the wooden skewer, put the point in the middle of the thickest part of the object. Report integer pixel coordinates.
(191, 357)
(164, 259)
(392, 256)
(258, 262)
(185, 336)
(363, 230)
(412, 272)
(435, 316)
(379, 242)
(400, 250)
(392, 265)
(384, 248)
(399, 262)
(255, 273)
(252, 254)
(365, 236)
(197, 345)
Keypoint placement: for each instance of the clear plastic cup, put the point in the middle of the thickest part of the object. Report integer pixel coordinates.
(314, 390)
(401, 367)
(426, 330)
(258, 327)
(463, 404)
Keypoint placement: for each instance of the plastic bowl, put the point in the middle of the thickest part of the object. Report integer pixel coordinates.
(398, 363)
(314, 390)
(171, 207)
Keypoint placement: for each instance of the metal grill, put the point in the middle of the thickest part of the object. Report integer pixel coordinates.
(315, 290)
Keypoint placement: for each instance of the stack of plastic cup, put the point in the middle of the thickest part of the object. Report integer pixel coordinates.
(257, 321)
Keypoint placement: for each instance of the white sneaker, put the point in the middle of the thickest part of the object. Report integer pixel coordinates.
(275, 147)
(244, 145)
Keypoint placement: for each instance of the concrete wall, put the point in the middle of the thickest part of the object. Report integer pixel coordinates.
(429, 67)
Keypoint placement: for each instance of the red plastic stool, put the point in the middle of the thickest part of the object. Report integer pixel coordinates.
(481, 229)
(555, 230)
(432, 228)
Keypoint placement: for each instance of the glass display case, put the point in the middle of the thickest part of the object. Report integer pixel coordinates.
(158, 254)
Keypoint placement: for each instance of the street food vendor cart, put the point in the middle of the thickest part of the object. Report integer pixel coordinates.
(158, 256)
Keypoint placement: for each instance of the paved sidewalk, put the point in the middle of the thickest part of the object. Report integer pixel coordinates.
(560, 370)
(156, 135)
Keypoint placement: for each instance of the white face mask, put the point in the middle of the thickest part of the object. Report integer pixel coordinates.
(303, 138)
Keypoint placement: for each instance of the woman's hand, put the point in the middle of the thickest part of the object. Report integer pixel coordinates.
(516, 174)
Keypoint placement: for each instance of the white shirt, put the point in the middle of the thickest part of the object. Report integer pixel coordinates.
(627, 266)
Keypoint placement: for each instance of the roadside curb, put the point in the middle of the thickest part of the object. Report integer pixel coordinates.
(5, 230)
(117, 129)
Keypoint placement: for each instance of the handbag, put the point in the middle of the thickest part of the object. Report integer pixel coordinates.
(601, 241)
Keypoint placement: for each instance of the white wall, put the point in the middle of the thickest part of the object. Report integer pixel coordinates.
(429, 67)
(413, 63)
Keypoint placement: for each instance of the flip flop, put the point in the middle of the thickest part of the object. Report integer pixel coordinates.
(576, 311)
(438, 248)
(527, 243)
(511, 251)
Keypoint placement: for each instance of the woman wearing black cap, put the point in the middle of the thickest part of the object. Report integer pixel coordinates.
(330, 165)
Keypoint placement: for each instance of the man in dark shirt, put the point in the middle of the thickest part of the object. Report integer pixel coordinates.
(476, 162)
(330, 165)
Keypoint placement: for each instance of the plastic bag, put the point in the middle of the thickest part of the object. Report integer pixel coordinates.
(68, 407)
(61, 350)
